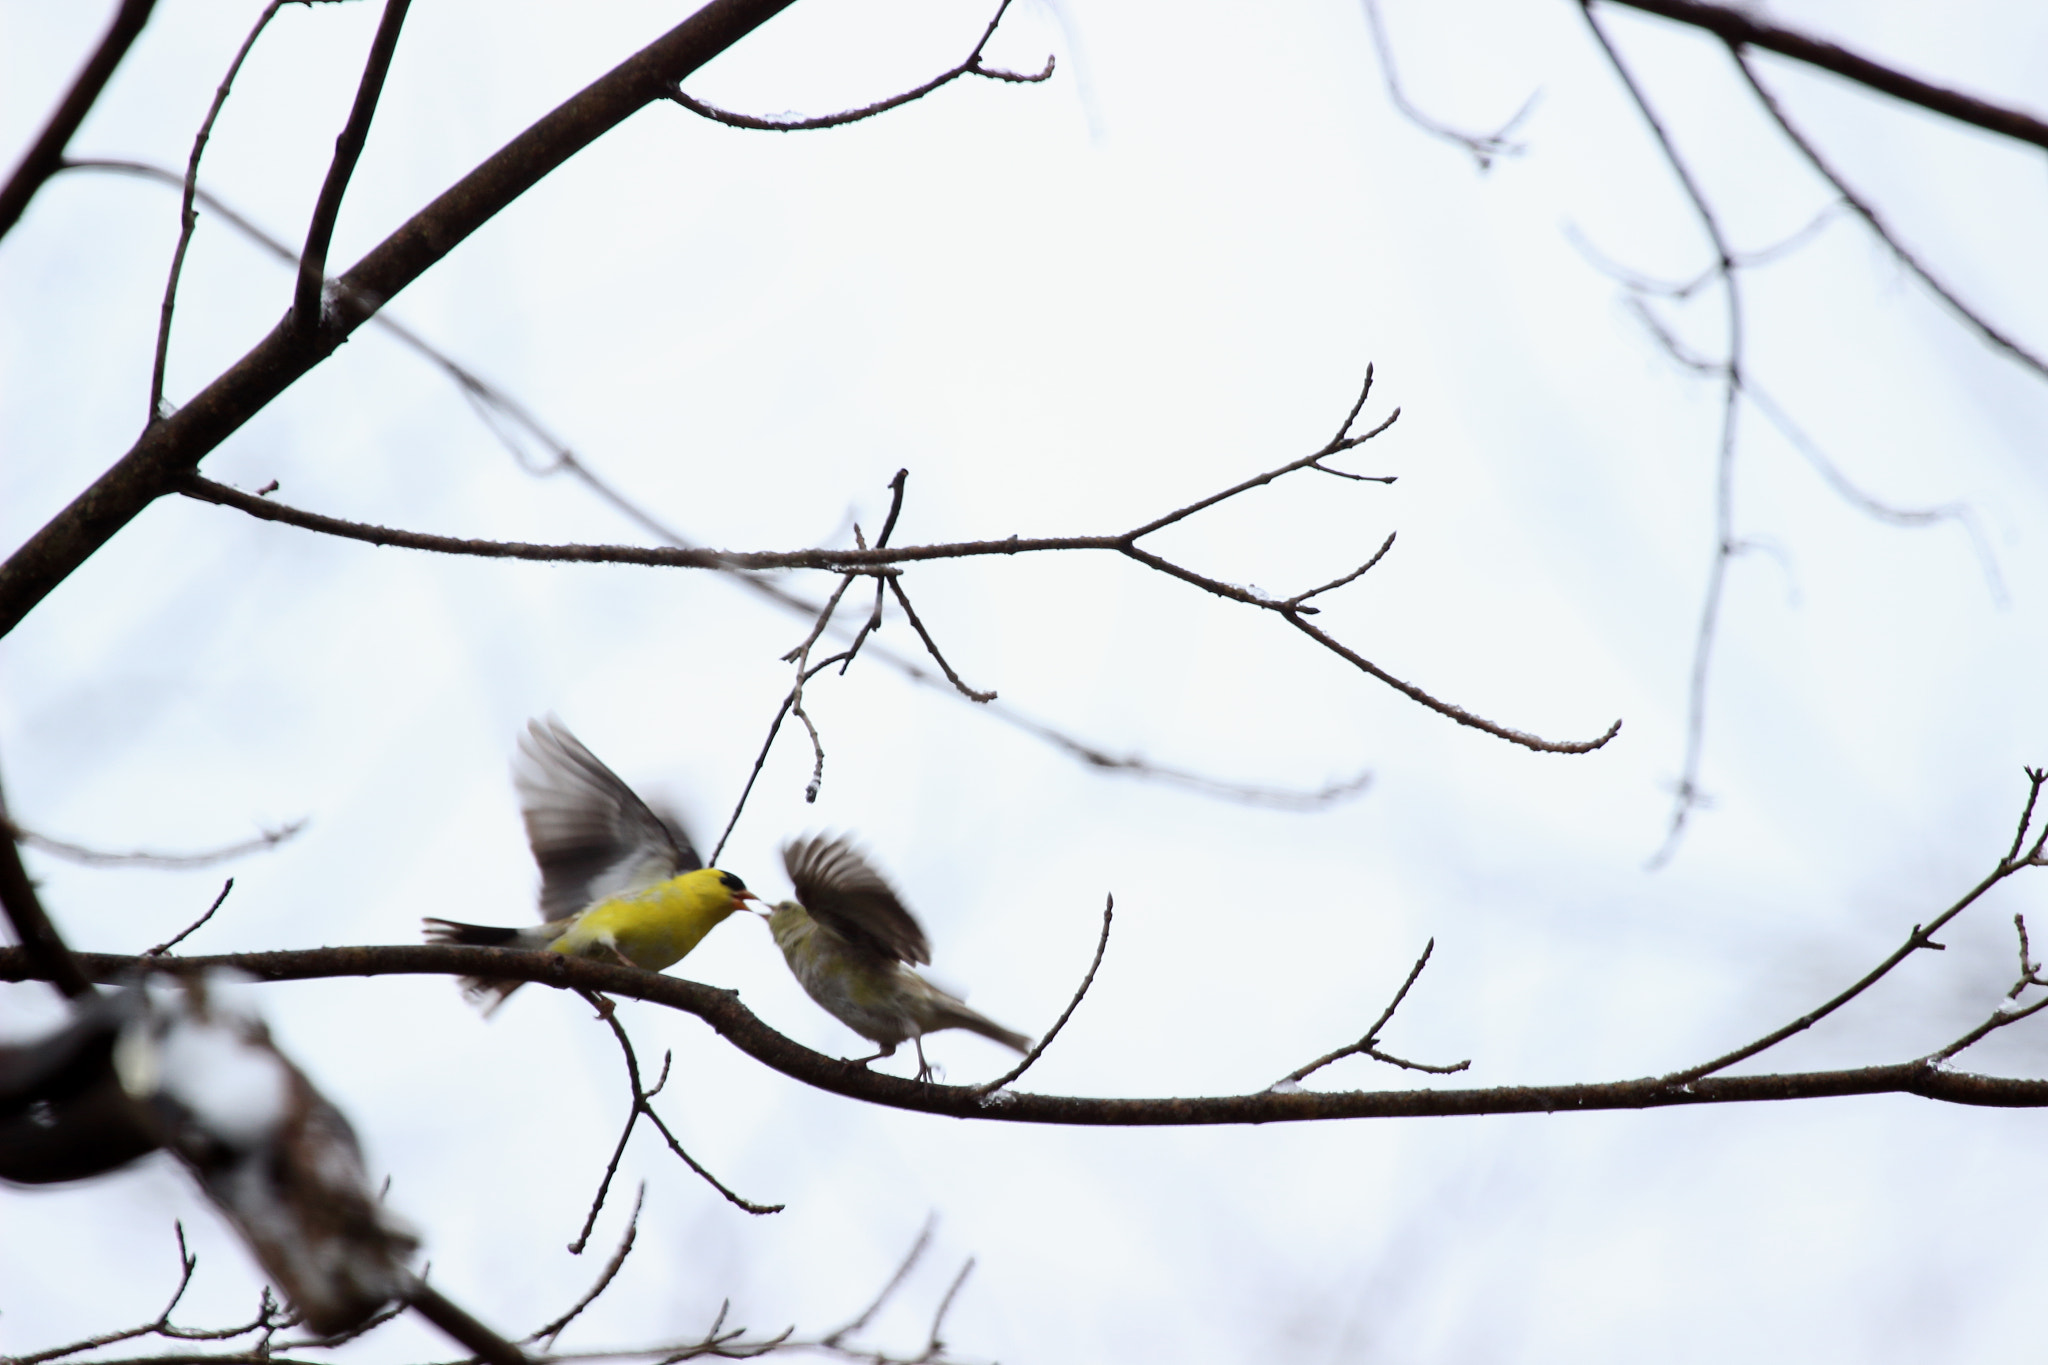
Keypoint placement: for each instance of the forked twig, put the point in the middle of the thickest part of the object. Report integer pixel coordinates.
(642, 1108)
(1369, 1045)
(1483, 147)
(970, 67)
(1921, 938)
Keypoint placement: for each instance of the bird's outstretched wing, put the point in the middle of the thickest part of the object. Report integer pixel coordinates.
(845, 894)
(592, 836)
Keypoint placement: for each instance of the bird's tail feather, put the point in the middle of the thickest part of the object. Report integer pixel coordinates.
(487, 994)
(474, 935)
(960, 1016)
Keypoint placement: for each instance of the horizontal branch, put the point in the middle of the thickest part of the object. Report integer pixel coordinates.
(664, 556)
(1740, 29)
(722, 1010)
(881, 559)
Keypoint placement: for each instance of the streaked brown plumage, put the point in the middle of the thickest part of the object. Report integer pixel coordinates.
(850, 941)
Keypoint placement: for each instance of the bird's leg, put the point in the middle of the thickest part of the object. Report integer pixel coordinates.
(624, 961)
(888, 1051)
(924, 1068)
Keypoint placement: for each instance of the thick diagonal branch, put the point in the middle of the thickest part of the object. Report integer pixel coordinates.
(46, 157)
(1740, 28)
(176, 445)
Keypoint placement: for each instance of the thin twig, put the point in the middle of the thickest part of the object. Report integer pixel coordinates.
(640, 1108)
(1369, 1044)
(850, 561)
(903, 1269)
(489, 399)
(186, 932)
(1863, 209)
(801, 655)
(95, 857)
(188, 218)
(267, 1319)
(2030, 970)
(1484, 147)
(1687, 789)
(1357, 573)
(933, 1345)
(971, 67)
(2036, 777)
(932, 646)
(1038, 1050)
(1922, 937)
(548, 1333)
(1906, 518)
(347, 149)
(761, 758)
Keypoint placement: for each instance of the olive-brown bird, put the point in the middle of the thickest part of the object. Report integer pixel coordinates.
(617, 882)
(851, 944)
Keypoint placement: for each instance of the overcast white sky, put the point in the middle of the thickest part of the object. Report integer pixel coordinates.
(1066, 308)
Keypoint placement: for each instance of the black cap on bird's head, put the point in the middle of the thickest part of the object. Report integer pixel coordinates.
(737, 887)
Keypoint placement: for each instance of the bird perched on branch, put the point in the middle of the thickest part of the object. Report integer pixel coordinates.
(617, 882)
(851, 944)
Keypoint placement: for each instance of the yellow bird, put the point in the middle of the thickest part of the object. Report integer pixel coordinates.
(851, 944)
(617, 882)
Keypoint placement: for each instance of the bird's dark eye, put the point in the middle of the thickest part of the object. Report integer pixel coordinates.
(732, 883)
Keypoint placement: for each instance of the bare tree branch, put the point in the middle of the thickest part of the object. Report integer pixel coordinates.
(348, 148)
(149, 858)
(722, 1010)
(40, 942)
(500, 410)
(881, 558)
(1921, 937)
(1369, 1044)
(1483, 147)
(1967, 315)
(641, 1108)
(1741, 29)
(971, 67)
(547, 1333)
(487, 1345)
(1687, 791)
(931, 646)
(46, 156)
(176, 445)
(193, 927)
(188, 218)
(1038, 1049)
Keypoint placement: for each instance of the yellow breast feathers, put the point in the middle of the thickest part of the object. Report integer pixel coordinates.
(653, 928)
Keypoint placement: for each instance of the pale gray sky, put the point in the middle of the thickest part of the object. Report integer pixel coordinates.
(1066, 308)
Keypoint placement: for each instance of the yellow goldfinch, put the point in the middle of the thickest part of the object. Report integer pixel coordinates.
(848, 939)
(617, 882)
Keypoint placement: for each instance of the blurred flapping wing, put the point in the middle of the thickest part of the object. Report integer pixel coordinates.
(591, 834)
(843, 892)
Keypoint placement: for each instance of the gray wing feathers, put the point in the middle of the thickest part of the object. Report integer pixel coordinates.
(591, 834)
(845, 894)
